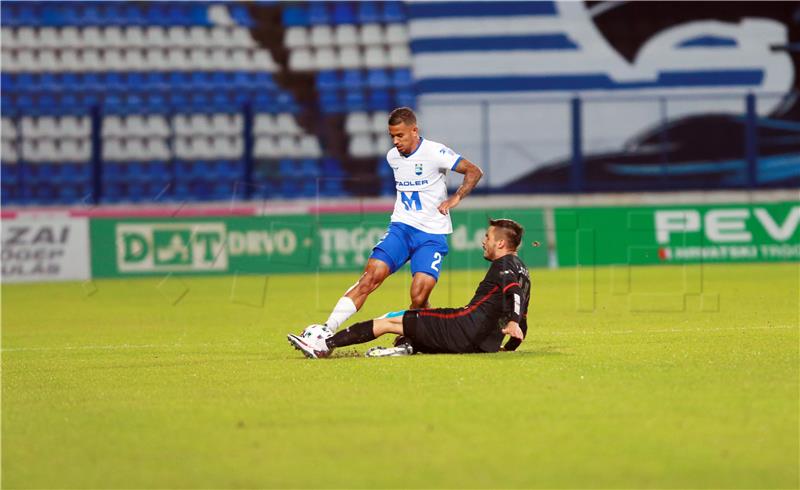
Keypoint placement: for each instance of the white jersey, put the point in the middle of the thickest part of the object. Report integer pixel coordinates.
(421, 187)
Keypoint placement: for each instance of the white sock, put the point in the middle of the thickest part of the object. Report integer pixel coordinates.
(344, 309)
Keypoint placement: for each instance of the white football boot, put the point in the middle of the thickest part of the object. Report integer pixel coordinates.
(312, 346)
(400, 350)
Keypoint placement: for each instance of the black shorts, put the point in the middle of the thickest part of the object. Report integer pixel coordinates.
(441, 330)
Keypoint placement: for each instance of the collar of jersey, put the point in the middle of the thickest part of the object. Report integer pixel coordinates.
(415, 149)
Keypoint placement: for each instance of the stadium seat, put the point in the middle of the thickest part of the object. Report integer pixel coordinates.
(367, 12)
(318, 13)
(343, 13)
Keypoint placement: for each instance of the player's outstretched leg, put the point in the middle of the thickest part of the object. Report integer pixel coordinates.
(374, 274)
(358, 333)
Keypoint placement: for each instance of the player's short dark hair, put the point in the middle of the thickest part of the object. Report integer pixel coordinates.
(402, 115)
(512, 231)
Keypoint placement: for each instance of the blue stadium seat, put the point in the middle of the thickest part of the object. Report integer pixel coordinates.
(354, 101)
(353, 79)
(379, 100)
(401, 78)
(405, 97)
(318, 13)
(295, 16)
(368, 12)
(393, 12)
(309, 167)
(378, 78)
(328, 80)
(344, 13)
(239, 13)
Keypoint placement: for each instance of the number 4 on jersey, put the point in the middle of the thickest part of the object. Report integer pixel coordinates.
(411, 203)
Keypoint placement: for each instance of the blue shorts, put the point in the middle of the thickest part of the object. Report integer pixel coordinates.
(403, 242)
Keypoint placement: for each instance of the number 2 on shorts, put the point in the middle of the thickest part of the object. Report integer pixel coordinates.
(437, 259)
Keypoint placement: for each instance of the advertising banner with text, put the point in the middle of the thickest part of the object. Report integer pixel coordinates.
(274, 244)
(678, 234)
(39, 249)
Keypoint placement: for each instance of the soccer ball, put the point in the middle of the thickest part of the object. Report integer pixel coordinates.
(319, 332)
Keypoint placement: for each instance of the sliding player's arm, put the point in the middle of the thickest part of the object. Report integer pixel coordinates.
(512, 308)
(472, 174)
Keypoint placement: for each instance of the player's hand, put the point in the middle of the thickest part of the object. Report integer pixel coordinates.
(512, 329)
(448, 203)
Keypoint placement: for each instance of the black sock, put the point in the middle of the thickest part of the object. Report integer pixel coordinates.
(354, 334)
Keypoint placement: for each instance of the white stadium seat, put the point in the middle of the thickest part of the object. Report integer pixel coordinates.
(264, 124)
(113, 149)
(10, 61)
(112, 37)
(265, 147)
(71, 61)
(350, 57)
(241, 60)
(296, 37)
(199, 37)
(112, 126)
(177, 59)
(9, 38)
(381, 143)
(379, 122)
(111, 60)
(227, 124)
(372, 34)
(134, 37)
(375, 57)
(262, 61)
(361, 146)
(134, 60)
(396, 34)
(346, 35)
(357, 123)
(200, 59)
(27, 37)
(218, 60)
(218, 15)
(75, 127)
(178, 37)
(240, 38)
(220, 37)
(155, 37)
(9, 129)
(158, 148)
(309, 147)
(49, 38)
(286, 124)
(325, 59)
(156, 126)
(156, 59)
(9, 152)
(288, 146)
(92, 60)
(321, 36)
(48, 61)
(301, 60)
(92, 37)
(27, 60)
(399, 56)
(71, 37)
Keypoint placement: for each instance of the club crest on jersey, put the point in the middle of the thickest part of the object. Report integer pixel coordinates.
(418, 168)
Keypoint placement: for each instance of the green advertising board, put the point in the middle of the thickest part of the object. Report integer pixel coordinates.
(678, 234)
(275, 244)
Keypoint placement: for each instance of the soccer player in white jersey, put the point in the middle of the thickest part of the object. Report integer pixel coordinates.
(420, 220)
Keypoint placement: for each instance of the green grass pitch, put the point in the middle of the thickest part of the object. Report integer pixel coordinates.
(660, 377)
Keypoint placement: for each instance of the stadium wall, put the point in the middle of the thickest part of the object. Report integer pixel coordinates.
(308, 237)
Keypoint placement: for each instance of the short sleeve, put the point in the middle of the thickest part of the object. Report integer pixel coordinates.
(447, 159)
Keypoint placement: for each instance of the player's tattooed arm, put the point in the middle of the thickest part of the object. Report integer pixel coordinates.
(472, 174)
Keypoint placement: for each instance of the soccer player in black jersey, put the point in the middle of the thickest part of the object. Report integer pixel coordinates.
(498, 308)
